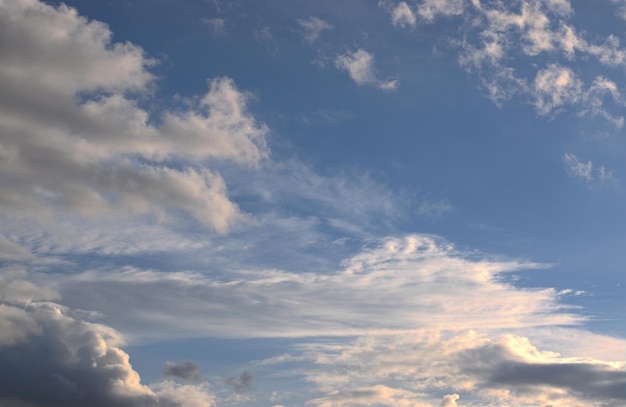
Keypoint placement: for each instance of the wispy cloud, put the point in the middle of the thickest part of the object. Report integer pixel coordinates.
(217, 24)
(585, 169)
(312, 28)
(416, 281)
(360, 67)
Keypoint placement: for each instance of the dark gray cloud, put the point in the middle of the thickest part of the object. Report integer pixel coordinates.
(51, 357)
(498, 366)
(586, 380)
(66, 363)
(241, 384)
(184, 370)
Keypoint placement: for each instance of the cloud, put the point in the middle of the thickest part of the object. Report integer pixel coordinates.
(450, 400)
(431, 9)
(487, 367)
(402, 15)
(411, 280)
(313, 27)
(51, 357)
(75, 141)
(369, 396)
(241, 384)
(184, 370)
(525, 50)
(555, 86)
(218, 25)
(360, 67)
(585, 170)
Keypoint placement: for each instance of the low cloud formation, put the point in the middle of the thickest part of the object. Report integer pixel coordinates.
(74, 138)
(184, 370)
(360, 67)
(412, 369)
(50, 357)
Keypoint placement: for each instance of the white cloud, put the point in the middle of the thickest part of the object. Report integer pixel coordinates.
(554, 87)
(313, 27)
(431, 9)
(103, 156)
(487, 369)
(415, 282)
(402, 15)
(519, 48)
(360, 67)
(585, 170)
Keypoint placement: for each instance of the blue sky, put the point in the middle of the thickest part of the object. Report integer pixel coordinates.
(291, 203)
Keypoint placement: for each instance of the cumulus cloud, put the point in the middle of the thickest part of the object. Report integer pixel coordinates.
(360, 67)
(312, 28)
(73, 138)
(411, 369)
(51, 357)
(578, 168)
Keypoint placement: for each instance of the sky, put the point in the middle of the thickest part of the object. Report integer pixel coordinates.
(318, 204)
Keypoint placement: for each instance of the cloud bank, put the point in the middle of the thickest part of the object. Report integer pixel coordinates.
(76, 140)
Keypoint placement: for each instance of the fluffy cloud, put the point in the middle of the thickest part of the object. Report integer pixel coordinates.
(73, 139)
(402, 15)
(412, 369)
(525, 48)
(50, 356)
(360, 67)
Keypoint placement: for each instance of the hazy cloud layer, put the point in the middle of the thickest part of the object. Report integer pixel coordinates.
(404, 283)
